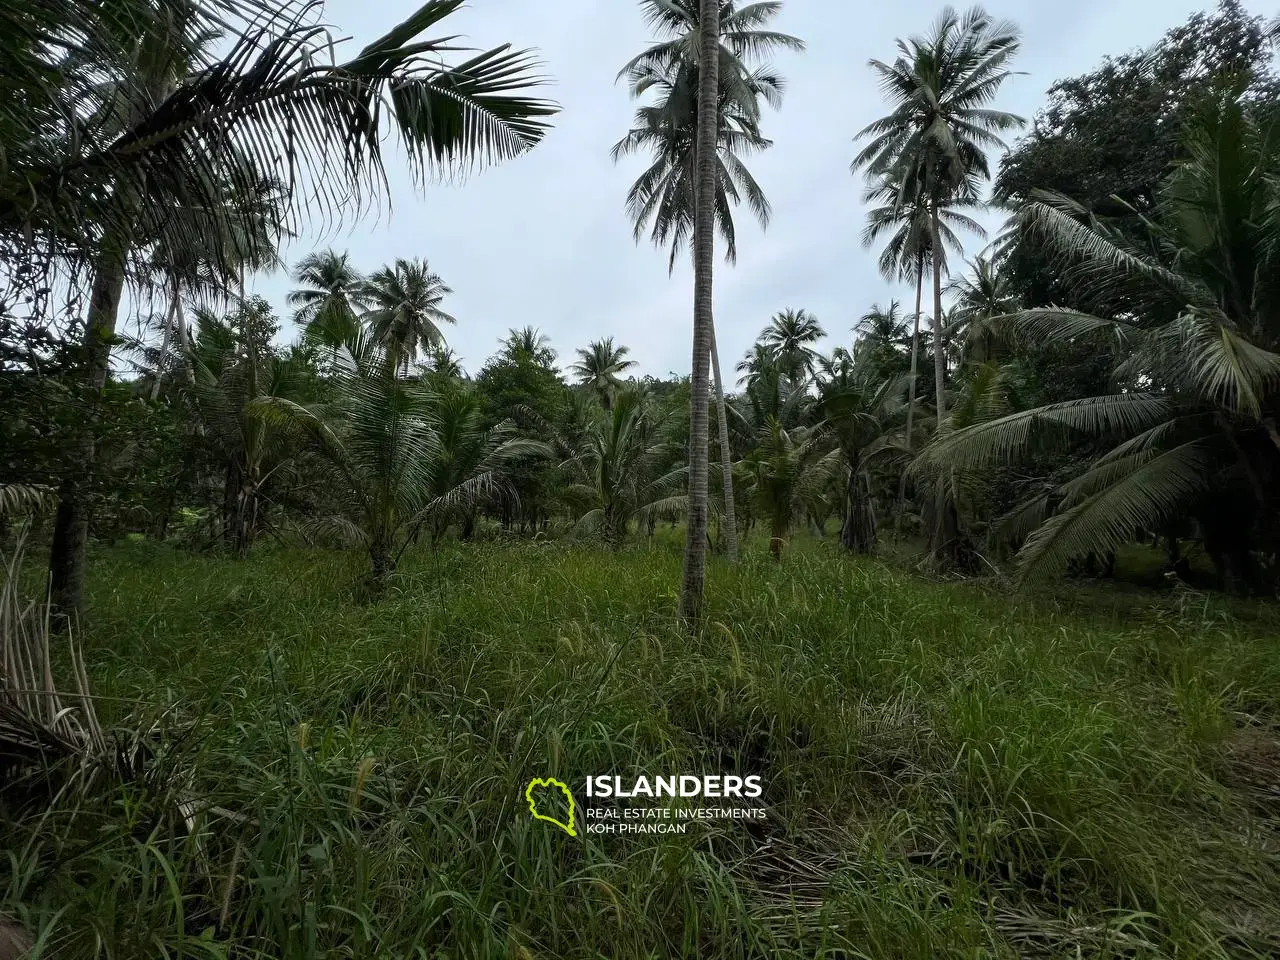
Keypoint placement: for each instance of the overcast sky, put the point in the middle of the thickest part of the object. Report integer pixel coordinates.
(543, 239)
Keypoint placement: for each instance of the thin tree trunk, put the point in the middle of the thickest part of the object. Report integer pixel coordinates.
(726, 459)
(911, 400)
(695, 552)
(939, 348)
(169, 321)
(71, 524)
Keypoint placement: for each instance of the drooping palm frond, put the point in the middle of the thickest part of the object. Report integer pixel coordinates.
(1003, 440)
(1137, 494)
(118, 154)
(1191, 311)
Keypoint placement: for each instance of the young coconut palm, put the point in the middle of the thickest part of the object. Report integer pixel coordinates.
(1191, 313)
(790, 471)
(857, 412)
(622, 469)
(230, 376)
(400, 457)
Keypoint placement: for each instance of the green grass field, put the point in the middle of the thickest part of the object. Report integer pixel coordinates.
(950, 770)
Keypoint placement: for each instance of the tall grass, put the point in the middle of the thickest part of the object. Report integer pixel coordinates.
(949, 771)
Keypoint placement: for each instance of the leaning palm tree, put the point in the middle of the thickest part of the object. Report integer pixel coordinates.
(328, 297)
(668, 129)
(598, 366)
(93, 164)
(1190, 313)
(790, 337)
(404, 309)
(934, 141)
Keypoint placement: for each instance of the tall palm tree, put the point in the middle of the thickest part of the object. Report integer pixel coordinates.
(404, 309)
(665, 192)
(934, 141)
(902, 217)
(598, 366)
(328, 296)
(693, 580)
(790, 337)
(93, 164)
(1190, 313)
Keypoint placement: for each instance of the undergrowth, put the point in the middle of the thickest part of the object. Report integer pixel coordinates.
(950, 770)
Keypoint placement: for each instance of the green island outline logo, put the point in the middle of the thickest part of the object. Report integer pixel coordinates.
(533, 804)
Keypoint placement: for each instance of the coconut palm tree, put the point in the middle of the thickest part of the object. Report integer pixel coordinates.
(230, 376)
(444, 364)
(404, 309)
(93, 165)
(880, 334)
(467, 449)
(328, 297)
(934, 141)
(790, 470)
(664, 193)
(902, 217)
(598, 366)
(621, 469)
(530, 342)
(693, 579)
(396, 454)
(1189, 312)
(790, 337)
(857, 411)
(980, 298)
(661, 199)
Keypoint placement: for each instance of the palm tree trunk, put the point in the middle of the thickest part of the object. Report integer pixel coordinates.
(170, 320)
(859, 533)
(730, 525)
(939, 348)
(778, 537)
(695, 551)
(71, 524)
(911, 400)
